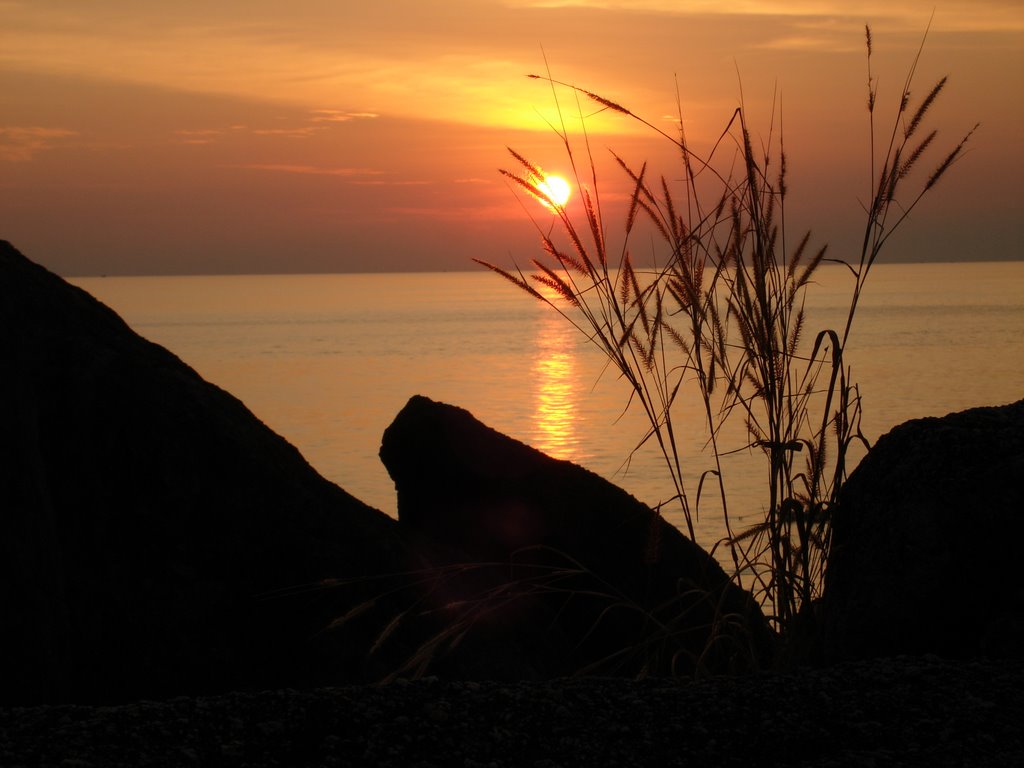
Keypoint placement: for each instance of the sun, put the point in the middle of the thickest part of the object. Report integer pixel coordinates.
(557, 189)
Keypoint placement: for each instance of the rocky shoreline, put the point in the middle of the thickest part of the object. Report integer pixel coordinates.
(181, 588)
(903, 711)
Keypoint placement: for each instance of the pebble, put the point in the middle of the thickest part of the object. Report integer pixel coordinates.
(925, 712)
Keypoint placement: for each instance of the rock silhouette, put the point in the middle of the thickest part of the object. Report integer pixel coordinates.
(608, 578)
(147, 516)
(157, 539)
(926, 542)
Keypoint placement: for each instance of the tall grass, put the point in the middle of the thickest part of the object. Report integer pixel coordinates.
(585, 624)
(722, 314)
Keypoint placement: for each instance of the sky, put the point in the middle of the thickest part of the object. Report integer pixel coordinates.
(319, 136)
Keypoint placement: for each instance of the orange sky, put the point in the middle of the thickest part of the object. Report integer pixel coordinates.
(252, 136)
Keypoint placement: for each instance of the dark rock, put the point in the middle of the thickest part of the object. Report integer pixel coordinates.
(146, 515)
(572, 570)
(157, 539)
(926, 544)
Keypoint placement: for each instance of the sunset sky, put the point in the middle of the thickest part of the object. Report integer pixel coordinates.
(251, 136)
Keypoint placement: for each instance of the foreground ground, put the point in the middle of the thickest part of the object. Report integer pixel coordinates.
(906, 711)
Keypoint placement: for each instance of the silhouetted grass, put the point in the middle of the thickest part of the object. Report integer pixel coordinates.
(580, 623)
(724, 316)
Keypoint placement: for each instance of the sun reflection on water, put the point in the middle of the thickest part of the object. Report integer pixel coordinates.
(555, 389)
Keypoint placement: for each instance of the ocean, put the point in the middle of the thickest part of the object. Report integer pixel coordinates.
(328, 360)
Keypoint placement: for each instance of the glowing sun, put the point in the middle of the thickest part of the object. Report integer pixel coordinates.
(557, 189)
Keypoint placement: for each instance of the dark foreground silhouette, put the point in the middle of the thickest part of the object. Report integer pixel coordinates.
(157, 539)
(927, 542)
(910, 711)
(148, 517)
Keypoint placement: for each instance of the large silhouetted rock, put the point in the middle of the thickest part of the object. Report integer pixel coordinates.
(145, 514)
(927, 539)
(592, 575)
(156, 538)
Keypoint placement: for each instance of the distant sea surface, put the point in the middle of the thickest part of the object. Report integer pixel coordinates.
(328, 360)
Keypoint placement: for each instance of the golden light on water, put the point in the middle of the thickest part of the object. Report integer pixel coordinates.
(555, 394)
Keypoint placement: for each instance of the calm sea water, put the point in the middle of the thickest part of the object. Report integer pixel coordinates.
(328, 360)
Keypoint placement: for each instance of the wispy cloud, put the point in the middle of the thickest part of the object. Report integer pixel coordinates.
(822, 35)
(203, 136)
(460, 61)
(319, 120)
(303, 132)
(960, 15)
(366, 177)
(338, 116)
(393, 182)
(352, 173)
(20, 143)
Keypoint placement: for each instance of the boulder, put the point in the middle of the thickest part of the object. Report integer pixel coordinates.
(572, 570)
(148, 521)
(157, 539)
(926, 542)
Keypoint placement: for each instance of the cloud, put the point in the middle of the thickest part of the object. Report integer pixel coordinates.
(365, 177)
(829, 34)
(202, 136)
(20, 143)
(393, 183)
(338, 116)
(294, 133)
(459, 61)
(318, 121)
(314, 170)
(953, 15)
